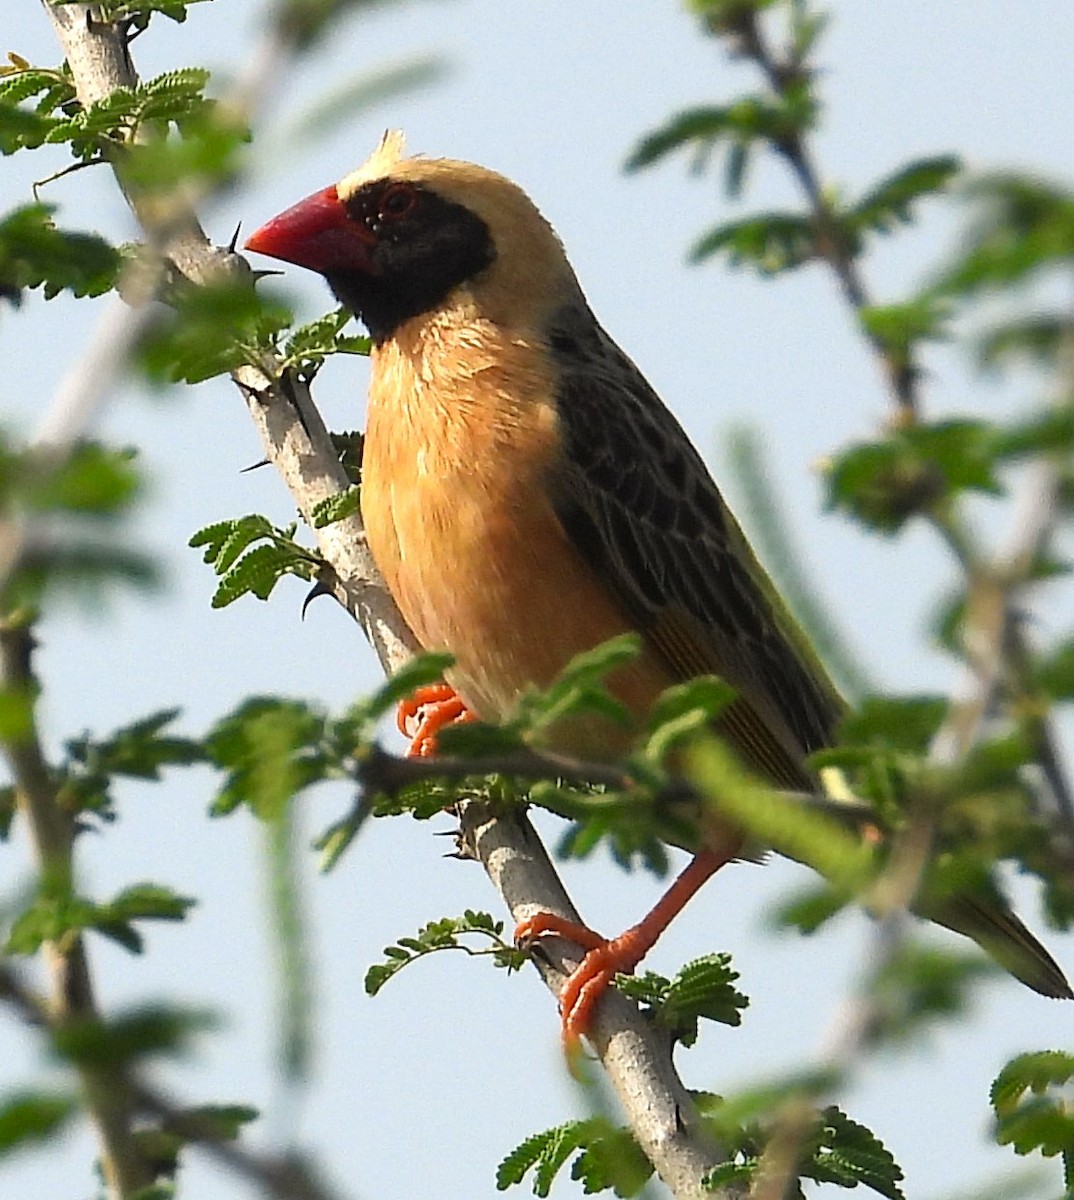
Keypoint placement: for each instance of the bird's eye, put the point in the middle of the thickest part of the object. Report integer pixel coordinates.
(397, 202)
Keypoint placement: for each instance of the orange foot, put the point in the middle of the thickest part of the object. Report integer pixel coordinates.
(605, 958)
(422, 716)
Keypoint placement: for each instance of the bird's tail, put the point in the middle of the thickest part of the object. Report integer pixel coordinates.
(1003, 936)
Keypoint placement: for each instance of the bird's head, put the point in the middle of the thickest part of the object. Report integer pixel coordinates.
(404, 237)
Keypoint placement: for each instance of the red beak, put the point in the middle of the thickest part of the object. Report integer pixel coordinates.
(318, 234)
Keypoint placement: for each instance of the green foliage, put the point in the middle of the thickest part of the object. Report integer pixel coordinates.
(147, 1031)
(59, 915)
(920, 984)
(336, 508)
(307, 346)
(34, 253)
(136, 751)
(899, 329)
(607, 1158)
(579, 689)
(1031, 1107)
(834, 1148)
(136, 13)
(739, 127)
(1022, 228)
(209, 330)
(36, 1116)
(795, 829)
(248, 569)
(773, 242)
(890, 202)
(269, 749)
(447, 934)
(91, 133)
(702, 989)
(913, 472)
(92, 480)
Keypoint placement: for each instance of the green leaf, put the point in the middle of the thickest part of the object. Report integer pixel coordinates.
(922, 983)
(1054, 673)
(607, 1158)
(309, 345)
(846, 1153)
(34, 253)
(907, 723)
(147, 1031)
(270, 749)
(772, 242)
(702, 989)
(883, 484)
(57, 916)
(1037, 340)
(1033, 1072)
(889, 202)
(898, 328)
(775, 119)
(256, 570)
(1021, 226)
(447, 934)
(33, 1117)
(704, 125)
(789, 826)
(681, 711)
(218, 1122)
(612, 1160)
(336, 508)
(209, 330)
(138, 12)
(579, 689)
(1031, 1105)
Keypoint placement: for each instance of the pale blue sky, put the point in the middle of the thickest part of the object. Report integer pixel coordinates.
(553, 95)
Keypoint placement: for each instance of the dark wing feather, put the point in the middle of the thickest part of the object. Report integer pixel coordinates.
(638, 503)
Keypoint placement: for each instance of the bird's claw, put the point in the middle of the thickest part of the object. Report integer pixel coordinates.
(423, 714)
(605, 958)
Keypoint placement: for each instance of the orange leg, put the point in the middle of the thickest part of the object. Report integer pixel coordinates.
(422, 716)
(606, 958)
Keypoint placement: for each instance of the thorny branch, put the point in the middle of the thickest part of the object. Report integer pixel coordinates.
(636, 1059)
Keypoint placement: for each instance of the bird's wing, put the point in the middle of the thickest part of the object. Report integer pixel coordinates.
(637, 502)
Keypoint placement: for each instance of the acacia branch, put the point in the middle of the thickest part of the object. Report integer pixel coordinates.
(71, 998)
(636, 1057)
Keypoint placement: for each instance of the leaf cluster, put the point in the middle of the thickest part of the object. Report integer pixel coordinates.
(835, 1150)
(702, 989)
(92, 132)
(1030, 1098)
(209, 330)
(606, 1158)
(251, 555)
(448, 933)
(308, 346)
(59, 915)
(34, 253)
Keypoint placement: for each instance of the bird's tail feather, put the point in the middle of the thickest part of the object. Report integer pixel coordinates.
(1003, 936)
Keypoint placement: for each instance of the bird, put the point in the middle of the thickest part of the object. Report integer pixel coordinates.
(527, 496)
